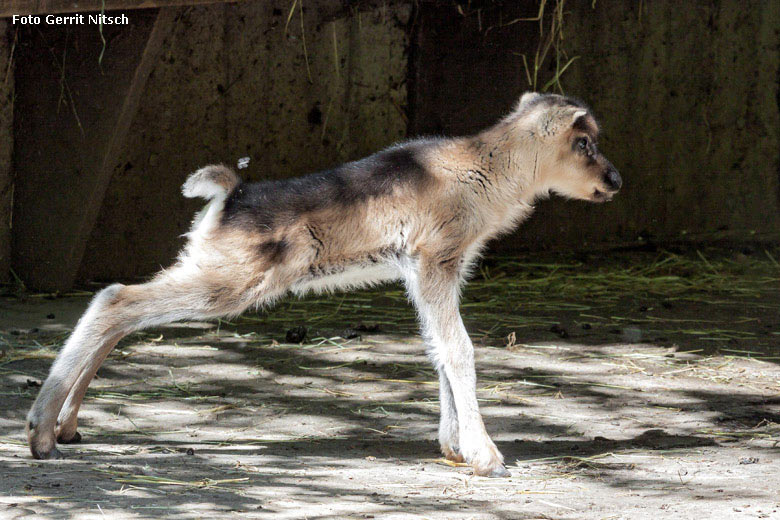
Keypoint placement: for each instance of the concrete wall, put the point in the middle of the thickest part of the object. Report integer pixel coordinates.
(687, 96)
(6, 145)
(71, 112)
(234, 83)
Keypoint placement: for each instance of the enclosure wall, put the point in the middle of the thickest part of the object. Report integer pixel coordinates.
(239, 81)
(687, 98)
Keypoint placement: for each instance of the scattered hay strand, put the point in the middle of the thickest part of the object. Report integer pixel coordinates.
(126, 477)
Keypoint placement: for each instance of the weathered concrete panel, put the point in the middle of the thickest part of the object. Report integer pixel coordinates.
(234, 83)
(180, 125)
(7, 36)
(687, 97)
(291, 122)
(69, 120)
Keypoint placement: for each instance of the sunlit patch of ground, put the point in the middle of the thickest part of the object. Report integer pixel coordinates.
(623, 386)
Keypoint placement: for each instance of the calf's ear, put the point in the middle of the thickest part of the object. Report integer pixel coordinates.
(526, 99)
(577, 118)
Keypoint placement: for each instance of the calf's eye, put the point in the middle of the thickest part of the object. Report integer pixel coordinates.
(582, 143)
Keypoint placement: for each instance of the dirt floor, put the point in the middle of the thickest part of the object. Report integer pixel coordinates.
(617, 385)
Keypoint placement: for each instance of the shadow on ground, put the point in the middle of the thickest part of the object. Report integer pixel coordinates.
(633, 404)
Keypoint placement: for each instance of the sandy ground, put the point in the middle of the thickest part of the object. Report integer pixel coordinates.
(623, 408)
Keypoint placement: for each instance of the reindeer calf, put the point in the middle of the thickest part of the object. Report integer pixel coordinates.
(420, 211)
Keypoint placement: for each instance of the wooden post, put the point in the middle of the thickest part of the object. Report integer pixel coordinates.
(7, 44)
(70, 129)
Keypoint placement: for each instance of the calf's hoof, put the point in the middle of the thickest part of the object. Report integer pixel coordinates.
(452, 454)
(42, 445)
(73, 439)
(489, 462)
(494, 471)
(53, 453)
(499, 472)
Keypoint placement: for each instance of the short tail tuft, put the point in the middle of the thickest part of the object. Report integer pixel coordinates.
(211, 182)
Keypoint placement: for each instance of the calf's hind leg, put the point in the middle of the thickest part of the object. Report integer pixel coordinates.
(67, 420)
(114, 312)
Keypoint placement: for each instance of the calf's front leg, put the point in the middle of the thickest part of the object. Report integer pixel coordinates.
(435, 292)
(448, 421)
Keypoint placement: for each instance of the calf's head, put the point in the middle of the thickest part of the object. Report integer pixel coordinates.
(564, 136)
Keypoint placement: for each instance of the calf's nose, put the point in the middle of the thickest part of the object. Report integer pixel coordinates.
(612, 179)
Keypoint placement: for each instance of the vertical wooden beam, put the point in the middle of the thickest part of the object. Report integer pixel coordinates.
(71, 126)
(162, 27)
(7, 42)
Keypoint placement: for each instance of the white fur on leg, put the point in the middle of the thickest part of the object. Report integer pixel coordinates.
(72, 360)
(457, 357)
(448, 421)
(435, 295)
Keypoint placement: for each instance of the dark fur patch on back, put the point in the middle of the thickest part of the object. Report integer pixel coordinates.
(273, 250)
(266, 205)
